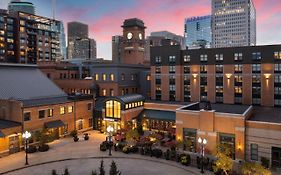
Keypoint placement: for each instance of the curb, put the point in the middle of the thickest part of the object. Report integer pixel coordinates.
(99, 157)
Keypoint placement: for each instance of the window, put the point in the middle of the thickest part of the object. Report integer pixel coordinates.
(62, 110)
(186, 69)
(111, 92)
(172, 59)
(70, 109)
(189, 135)
(256, 56)
(111, 77)
(254, 152)
(203, 68)
(277, 55)
(90, 122)
(113, 109)
(97, 77)
(122, 77)
(256, 67)
(89, 105)
(277, 67)
(27, 116)
(158, 59)
(157, 69)
(103, 92)
(50, 112)
(238, 68)
(148, 77)
(133, 77)
(104, 77)
(186, 58)
(219, 57)
(172, 69)
(203, 58)
(41, 114)
(219, 68)
(238, 57)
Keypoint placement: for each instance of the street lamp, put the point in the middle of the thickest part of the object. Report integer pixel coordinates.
(202, 143)
(26, 135)
(109, 130)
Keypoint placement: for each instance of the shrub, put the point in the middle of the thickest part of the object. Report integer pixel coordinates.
(185, 159)
(265, 162)
(113, 169)
(249, 168)
(126, 149)
(134, 149)
(157, 153)
(86, 136)
(103, 147)
(73, 133)
(75, 138)
(31, 149)
(43, 148)
(66, 172)
(54, 172)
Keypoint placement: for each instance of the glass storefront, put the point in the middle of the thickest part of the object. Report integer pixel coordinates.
(276, 157)
(189, 139)
(228, 141)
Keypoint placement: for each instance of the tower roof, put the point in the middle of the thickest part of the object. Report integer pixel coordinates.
(132, 22)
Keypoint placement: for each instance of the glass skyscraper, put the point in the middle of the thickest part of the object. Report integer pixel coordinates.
(234, 23)
(197, 31)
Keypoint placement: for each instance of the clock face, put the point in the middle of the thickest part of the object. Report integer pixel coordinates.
(129, 35)
(140, 36)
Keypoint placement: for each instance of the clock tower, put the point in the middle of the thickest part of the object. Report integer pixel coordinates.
(134, 41)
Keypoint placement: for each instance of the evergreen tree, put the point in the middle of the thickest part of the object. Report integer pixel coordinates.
(66, 172)
(113, 169)
(54, 172)
(102, 171)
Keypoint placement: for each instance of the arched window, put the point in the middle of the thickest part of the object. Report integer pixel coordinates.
(113, 109)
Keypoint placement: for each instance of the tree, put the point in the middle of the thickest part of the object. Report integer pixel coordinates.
(66, 172)
(132, 134)
(113, 169)
(102, 172)
(94, 173)
(224, 162)
(54, 172)
(250, 168)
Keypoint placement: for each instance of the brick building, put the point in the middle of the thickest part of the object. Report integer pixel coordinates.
(33, 102)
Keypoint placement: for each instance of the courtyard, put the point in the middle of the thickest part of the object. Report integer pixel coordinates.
(84, 156)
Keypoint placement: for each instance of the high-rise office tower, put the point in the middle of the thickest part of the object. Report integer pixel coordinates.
(84, 48)
(21, 6)
(75, 31)
(233, 23)
(117, 49)
(60, 28)
(198, 32)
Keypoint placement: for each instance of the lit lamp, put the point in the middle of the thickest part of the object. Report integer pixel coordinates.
(202, 143)
(194, 75)
(110, 130)
(267, 76)
(228, 76)
(26, 135)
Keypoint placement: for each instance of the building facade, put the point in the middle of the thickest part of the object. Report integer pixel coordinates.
(240, 75)
(28, 38)
(233, 23)
(198, 30)
(29, 106)
(117, 49)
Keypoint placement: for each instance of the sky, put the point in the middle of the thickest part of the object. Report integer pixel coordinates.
(105, 17)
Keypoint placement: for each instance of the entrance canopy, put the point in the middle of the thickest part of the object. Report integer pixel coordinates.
(158, 115)
(54, 124)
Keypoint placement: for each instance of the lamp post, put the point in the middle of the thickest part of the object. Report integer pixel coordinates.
(202, 143)
(109, 130)
(26, 135)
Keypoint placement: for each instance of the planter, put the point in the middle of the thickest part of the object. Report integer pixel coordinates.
(86, 136)
(43, 148)
(31, 149)
(75, 139)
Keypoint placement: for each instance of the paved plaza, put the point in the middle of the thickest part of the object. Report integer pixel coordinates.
(84, 156)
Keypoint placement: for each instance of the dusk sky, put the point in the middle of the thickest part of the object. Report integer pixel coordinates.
(105, 17)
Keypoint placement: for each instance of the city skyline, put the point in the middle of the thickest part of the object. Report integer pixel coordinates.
(158, 15)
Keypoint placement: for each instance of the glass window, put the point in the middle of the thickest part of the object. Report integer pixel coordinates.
(172, 69)
(277, 55)
(172, 59)
(256, 67)
(219, 68)
(203, 58)
(104, 77)
(97, 77)
(122, 77)
(238, 67)
(70, 109)
(189, 137)
(238, 56)
(148, 78)
(89, 106)
(219, 57)
(256, 56)
(42, 114)
(158, 59)
(27, 116)
(186, 58)
(112, 77)
(103, 92)
(254, 152)
(50, 112)
(113, 109)
(62, 110)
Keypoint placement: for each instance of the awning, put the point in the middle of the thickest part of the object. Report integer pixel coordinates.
(2, 134)
(54, 124)
(158, 115)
